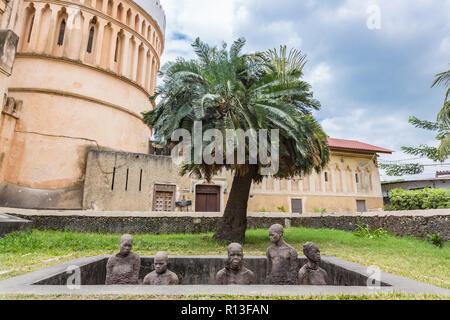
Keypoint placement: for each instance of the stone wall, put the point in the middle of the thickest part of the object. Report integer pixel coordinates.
(407, 223)
(126, 181)
(123, 181)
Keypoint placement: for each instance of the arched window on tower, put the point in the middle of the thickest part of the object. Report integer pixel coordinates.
(116, 53)
(31, 29)
(62, 30)
(91, 40)
(118, 48)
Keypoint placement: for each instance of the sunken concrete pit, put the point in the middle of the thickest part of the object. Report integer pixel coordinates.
(10, 224)
(197, 277)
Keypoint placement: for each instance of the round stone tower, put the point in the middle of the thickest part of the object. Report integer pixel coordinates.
(84, 72)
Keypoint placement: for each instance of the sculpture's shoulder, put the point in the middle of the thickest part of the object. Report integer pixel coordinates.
(173, 277)
(323, 272)
(249, 274)
(221, 273)
(135, 257)
(302, 272)
(270, 250)
(221, 276)
(291, 249)
(148, 278)
(112, 259)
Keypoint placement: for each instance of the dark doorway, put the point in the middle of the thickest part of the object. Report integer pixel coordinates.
(207, 199)
(361, 206)
(297, 205)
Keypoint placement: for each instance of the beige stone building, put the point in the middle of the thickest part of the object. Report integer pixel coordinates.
(83, 73)
(136, 182)
(74, 79)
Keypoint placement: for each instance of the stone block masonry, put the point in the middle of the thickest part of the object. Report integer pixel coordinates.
(402, 223)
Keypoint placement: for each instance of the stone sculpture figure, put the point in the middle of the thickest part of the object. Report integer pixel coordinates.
(282, 259)
(234, 271)
(311, 274)
(162, 276)
(123, 268)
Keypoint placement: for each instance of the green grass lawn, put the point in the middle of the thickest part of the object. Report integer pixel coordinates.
(410, 257)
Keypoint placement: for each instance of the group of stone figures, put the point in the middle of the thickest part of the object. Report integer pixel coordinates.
(282, 265)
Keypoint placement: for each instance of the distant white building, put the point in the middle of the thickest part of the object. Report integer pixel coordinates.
(441, 181)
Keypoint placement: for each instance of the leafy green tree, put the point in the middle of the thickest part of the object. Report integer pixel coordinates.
(423, 151)
(441, 127)
(225, 89)
(443, 79)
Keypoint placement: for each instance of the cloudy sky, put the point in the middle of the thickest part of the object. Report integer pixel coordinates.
(370, 74)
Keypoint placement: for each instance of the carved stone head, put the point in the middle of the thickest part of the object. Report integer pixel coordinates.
(312, 252)
(276, 233)
(235, 256)
(161, 260)
(126, 243)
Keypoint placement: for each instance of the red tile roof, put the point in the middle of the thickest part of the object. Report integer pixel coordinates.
(350, 145)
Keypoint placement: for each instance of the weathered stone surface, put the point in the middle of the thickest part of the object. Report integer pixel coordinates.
(402, 223)
(234, 271)
(282, 259)
(162, 276)
(198, 274)
(311, 273)
(124, 267)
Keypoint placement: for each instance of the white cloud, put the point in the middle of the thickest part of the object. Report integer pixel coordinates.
(445, 45)
(391, 131)
(413, 33)
(319, 75)
(210, 20)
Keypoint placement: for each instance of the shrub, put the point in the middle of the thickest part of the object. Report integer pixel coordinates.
(436, 240)
(420, 199)
(366, 232)
(282, 209)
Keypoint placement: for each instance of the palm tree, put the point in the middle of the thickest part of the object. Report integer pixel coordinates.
(443, 119)
(225, 89)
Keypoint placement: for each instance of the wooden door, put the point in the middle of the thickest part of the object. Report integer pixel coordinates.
(207, 199)
(297, 205)
(163, 201)
(164, 198)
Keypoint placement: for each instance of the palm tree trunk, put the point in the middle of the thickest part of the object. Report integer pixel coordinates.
(234, 222)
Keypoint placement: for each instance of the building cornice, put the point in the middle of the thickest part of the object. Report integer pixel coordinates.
(103, 15)
(75, 96)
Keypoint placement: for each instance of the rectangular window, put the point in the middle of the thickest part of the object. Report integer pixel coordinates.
(297, 205)
(361, 206)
